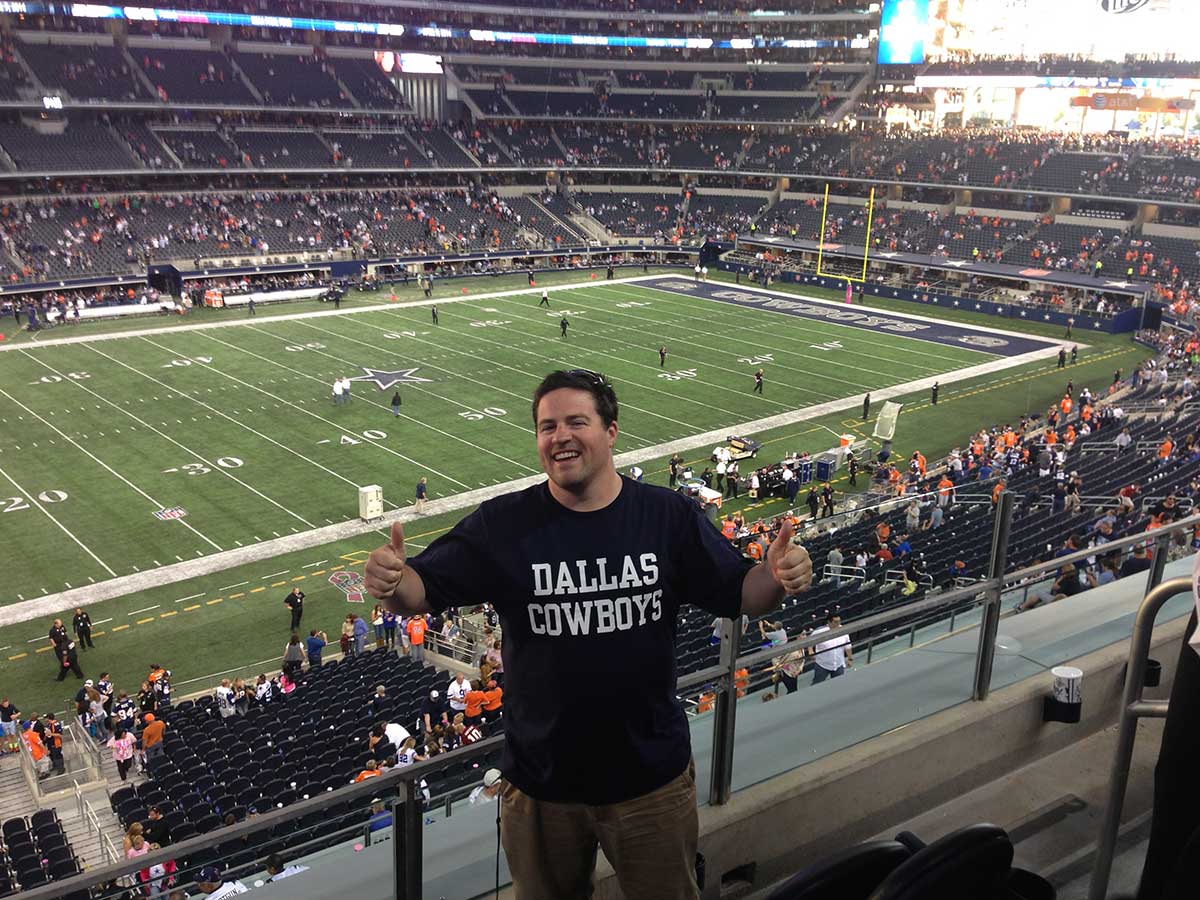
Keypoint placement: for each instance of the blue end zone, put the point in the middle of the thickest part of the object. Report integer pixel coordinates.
(935, 331)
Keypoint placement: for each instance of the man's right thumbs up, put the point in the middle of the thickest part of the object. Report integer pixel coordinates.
(396, 541)
(385, 566)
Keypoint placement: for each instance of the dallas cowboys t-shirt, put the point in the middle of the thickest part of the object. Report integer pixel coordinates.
(588, 603)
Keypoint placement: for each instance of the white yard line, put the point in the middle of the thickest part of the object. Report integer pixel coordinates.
(214, 410)
(383, 406)
(584, 334)
(713, 325)
(524, 398)
(820, 327)
(315, 314)
(65, 530)
(188, 450)
(155, 503)
(330, 422)
(675, 398)
(424, 364)
(738, 376)
(117, 587)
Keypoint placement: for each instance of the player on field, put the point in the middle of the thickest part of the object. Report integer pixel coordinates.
(563, 323)
(758, 382)
(662, 356)
(433, 309)
(545, 301)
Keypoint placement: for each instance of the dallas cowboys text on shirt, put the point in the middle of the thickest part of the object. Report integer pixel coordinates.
(600, 615)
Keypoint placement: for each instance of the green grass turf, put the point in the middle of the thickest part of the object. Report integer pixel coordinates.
(473, 367)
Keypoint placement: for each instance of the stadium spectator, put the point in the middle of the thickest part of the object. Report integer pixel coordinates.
(152, 736)
(293, 656)
(122, 746)
(831, 657)
(314, 647)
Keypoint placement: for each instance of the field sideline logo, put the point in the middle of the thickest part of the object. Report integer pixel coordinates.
(1120, 7)
(349, 583)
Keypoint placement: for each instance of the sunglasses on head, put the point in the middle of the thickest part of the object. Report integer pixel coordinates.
(594, 377)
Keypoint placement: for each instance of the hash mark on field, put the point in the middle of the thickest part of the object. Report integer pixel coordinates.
(279, 583)
(276, 533)
(239, 584)
(310, 565)
(191, 597)
(235, 596)
(144, 621)
(257, 589)
(190, 608)
(211, 602)
(43, 649)
(167, 615)
(299, 578)
(19, 656)
(318, 572)
(67, 583)
(119, 627)
(276, 574)
(147, 609)
(102, 622)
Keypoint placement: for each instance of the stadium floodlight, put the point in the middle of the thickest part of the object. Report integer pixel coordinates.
(866, 243)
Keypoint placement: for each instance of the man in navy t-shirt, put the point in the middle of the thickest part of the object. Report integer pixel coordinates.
(587, 572)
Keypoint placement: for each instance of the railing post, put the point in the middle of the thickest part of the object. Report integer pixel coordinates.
(1158, 562)
(724, 715)
(991, 609)
(406, 843)
(1135, 681)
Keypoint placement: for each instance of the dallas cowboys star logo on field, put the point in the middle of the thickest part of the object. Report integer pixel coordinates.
(384, 380)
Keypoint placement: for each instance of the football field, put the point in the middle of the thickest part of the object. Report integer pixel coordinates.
(124, 455)
(139, 452)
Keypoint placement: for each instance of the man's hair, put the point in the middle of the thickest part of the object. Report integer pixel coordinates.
(580, 380)
(831, 616)
(274, 863)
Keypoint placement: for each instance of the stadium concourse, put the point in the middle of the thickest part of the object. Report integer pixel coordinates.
(915, 282)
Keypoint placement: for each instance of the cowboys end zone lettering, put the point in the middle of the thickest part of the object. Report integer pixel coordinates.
(920, 328)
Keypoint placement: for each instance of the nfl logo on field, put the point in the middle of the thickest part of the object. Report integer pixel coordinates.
(174, 512)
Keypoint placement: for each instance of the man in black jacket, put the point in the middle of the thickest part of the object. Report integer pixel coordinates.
(68, 661)
(82, 626)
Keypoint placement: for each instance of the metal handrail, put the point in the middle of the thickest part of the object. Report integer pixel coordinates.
(390, 781)
(720, 677)
(1133, 707)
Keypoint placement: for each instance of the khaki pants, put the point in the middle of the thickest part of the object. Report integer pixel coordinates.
(650, 841)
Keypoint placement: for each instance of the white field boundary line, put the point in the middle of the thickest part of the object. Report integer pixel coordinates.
(833, 304)
(186, 449)
(365, 397)
(176, 572)
(63, 528)
(315, 314)
(110, 469)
